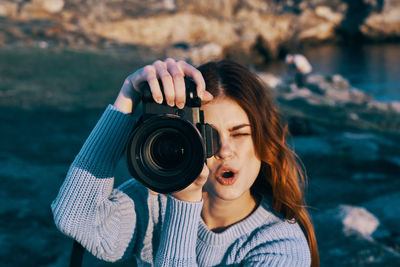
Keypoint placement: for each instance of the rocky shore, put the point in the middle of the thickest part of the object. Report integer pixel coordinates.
(248, 30)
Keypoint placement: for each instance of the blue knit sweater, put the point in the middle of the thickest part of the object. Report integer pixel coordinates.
(157, 230)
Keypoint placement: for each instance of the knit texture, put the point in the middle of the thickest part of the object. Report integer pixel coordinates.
(129, 223)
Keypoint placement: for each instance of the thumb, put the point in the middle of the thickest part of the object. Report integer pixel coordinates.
(201, 180)
(153, 192)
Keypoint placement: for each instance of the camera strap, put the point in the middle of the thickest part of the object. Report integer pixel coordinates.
(76, 255)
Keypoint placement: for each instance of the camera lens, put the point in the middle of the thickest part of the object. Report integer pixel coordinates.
(166, 149)
(166, 153)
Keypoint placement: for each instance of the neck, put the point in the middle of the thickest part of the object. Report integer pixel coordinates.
(218, 214)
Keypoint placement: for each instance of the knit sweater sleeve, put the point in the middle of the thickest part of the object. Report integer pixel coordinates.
(179, 234)
(87, 208)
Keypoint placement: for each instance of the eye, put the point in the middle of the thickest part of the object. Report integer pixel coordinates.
(240, 134)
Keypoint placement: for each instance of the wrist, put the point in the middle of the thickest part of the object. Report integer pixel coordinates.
(189, 196)
(123, 104)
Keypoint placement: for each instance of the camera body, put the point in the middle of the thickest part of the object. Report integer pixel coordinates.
(168, 148)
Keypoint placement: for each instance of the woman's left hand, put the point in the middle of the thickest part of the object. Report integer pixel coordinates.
(193, 193)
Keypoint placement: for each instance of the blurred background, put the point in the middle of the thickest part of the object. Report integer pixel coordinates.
(62, 62)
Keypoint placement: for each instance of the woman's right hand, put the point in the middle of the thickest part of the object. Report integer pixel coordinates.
(171, 74)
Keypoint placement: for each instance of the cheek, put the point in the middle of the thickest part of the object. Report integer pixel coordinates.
(250, 159)
(247, 149)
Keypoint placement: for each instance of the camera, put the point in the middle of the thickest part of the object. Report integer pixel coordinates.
(168, 148)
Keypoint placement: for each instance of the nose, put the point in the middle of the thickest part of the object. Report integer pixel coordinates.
(225, 151)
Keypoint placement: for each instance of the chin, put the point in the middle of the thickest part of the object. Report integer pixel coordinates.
(227, 193)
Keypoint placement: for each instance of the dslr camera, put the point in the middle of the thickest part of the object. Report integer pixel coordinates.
(168, 148)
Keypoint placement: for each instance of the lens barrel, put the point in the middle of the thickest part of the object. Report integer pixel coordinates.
(166, 153)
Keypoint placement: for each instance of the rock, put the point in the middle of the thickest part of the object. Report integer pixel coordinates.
(328, 90)
(350, 220)
(383, 24)
(357, 220)
(197, 54)
(52, 6)
(387, 208)
(380, 106)
(359, 97)
(259, 30)
(314, 28)
(8, 9)
(41, 9)
(339, 82)
(395, 106)
(169, 5)
(265, 32)
(146, 31)
(271, 80)
(327, 13)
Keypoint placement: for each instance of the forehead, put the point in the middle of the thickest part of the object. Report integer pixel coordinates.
(224, 112)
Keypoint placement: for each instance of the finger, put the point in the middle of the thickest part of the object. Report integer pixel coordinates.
(153, 192)
(179, 83)
(149, 74)
(203, 176)
(167, 82)
(207, 97)
(191, 71)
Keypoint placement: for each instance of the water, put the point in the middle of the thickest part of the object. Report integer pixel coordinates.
(374, 69)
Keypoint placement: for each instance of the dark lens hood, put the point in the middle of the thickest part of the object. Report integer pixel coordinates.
(142, 166)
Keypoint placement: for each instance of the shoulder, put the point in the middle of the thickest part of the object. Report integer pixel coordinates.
(277, 242)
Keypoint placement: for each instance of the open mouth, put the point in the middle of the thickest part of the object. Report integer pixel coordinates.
(226, 176)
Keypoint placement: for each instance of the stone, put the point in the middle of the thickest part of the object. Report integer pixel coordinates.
(395, 106)
(339, 82)
(146, 31)
(8, 9)
(357, 220)
(271, 80)
(197, 54)
(41, 9)
(313, 28)
(52, 6)
(383, 24)
(387, 208)
(327, 13)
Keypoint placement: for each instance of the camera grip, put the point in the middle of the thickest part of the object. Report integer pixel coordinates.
(192, 100)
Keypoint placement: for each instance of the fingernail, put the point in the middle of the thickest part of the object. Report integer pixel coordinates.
(180, 105)
(159, 100)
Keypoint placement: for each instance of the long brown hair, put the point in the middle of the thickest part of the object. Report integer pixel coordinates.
(282, 175)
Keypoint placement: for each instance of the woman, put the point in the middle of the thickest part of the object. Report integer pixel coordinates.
(242, 210)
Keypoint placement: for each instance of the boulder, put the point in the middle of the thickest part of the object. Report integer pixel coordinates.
(387, 208)
(383, 23)
(258, 30)
(197, 54)
(176, 28)
(8, 9)
(41, 9)
(347, 220)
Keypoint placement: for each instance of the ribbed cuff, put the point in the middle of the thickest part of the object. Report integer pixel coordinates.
(108, 139)
(179, 235)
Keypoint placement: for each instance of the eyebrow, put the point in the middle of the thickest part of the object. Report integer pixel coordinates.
(237, 127)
